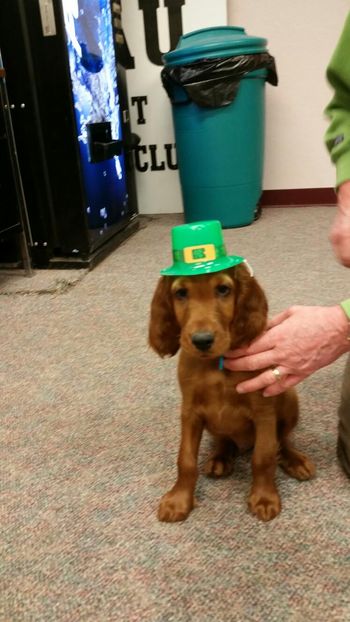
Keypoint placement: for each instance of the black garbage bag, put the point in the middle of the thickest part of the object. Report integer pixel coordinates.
(214, 83)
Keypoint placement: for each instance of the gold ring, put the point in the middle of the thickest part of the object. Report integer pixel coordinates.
(276, 372)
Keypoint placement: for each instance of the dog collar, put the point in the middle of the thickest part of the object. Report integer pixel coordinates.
(221, 363)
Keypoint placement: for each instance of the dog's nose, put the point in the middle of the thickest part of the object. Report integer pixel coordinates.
(203, 340)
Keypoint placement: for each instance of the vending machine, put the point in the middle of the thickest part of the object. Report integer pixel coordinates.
(69, 106)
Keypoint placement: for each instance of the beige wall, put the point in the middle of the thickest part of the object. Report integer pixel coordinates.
(302, 35)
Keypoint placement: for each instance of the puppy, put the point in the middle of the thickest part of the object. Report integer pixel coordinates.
(205, 316)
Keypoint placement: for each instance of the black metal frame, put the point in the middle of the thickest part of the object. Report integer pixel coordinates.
(9, 208)
(13, 213)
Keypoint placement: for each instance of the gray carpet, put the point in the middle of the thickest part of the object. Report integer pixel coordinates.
(39, 282)
(89, 436)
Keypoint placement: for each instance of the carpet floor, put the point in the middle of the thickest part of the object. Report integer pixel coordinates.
(88, 443)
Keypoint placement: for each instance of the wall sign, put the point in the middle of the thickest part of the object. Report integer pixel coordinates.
(152, 28)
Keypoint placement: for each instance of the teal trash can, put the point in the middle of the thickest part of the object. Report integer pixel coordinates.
(216, 81)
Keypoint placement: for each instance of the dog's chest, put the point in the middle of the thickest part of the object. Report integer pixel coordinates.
(213, 396)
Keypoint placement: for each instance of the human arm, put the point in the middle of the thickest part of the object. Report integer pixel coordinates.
(337, 139)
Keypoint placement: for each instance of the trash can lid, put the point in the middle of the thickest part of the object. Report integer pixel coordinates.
(217, 42)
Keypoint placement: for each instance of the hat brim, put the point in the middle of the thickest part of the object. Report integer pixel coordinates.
(205, 267)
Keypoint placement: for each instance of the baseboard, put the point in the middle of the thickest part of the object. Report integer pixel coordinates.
(299, 197)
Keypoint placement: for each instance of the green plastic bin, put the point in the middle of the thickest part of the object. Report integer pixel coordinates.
(221, 150)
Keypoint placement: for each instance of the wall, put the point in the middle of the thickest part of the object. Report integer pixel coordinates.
(158, 185)
(302, 35)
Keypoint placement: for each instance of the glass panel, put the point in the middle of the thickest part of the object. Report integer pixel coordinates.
(89, 34)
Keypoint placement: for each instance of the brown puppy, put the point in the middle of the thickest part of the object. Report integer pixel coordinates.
(207, 315)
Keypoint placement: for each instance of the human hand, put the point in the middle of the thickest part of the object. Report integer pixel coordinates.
(340, 231)
(298, 342)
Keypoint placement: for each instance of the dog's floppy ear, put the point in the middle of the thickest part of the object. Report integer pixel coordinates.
(164, 331)
(251, 307)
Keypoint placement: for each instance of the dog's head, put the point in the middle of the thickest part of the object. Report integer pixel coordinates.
(208, 314)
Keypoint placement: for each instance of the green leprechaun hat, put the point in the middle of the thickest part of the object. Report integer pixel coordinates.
(198, 248)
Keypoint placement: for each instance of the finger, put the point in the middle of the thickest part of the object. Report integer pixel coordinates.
(237, 354)
(261, 344)
(283, 385)
(253, 362)
(255, 384)
(279, 318)
(263, 380)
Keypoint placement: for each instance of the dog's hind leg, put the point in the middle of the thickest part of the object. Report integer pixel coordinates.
(291, 460)
(221, 462)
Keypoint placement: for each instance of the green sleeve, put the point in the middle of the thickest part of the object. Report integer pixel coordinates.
(337, 137)
(345, 305)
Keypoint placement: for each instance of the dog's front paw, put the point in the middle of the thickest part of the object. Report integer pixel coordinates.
(265, 504)
(175, 506)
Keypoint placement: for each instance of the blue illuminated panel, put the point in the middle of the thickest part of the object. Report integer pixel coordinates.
(92, 63)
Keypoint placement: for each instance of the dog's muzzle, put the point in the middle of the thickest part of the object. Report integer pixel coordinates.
(203, 340)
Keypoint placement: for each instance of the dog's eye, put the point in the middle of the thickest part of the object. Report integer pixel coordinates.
(181, 294)
(223, 290)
